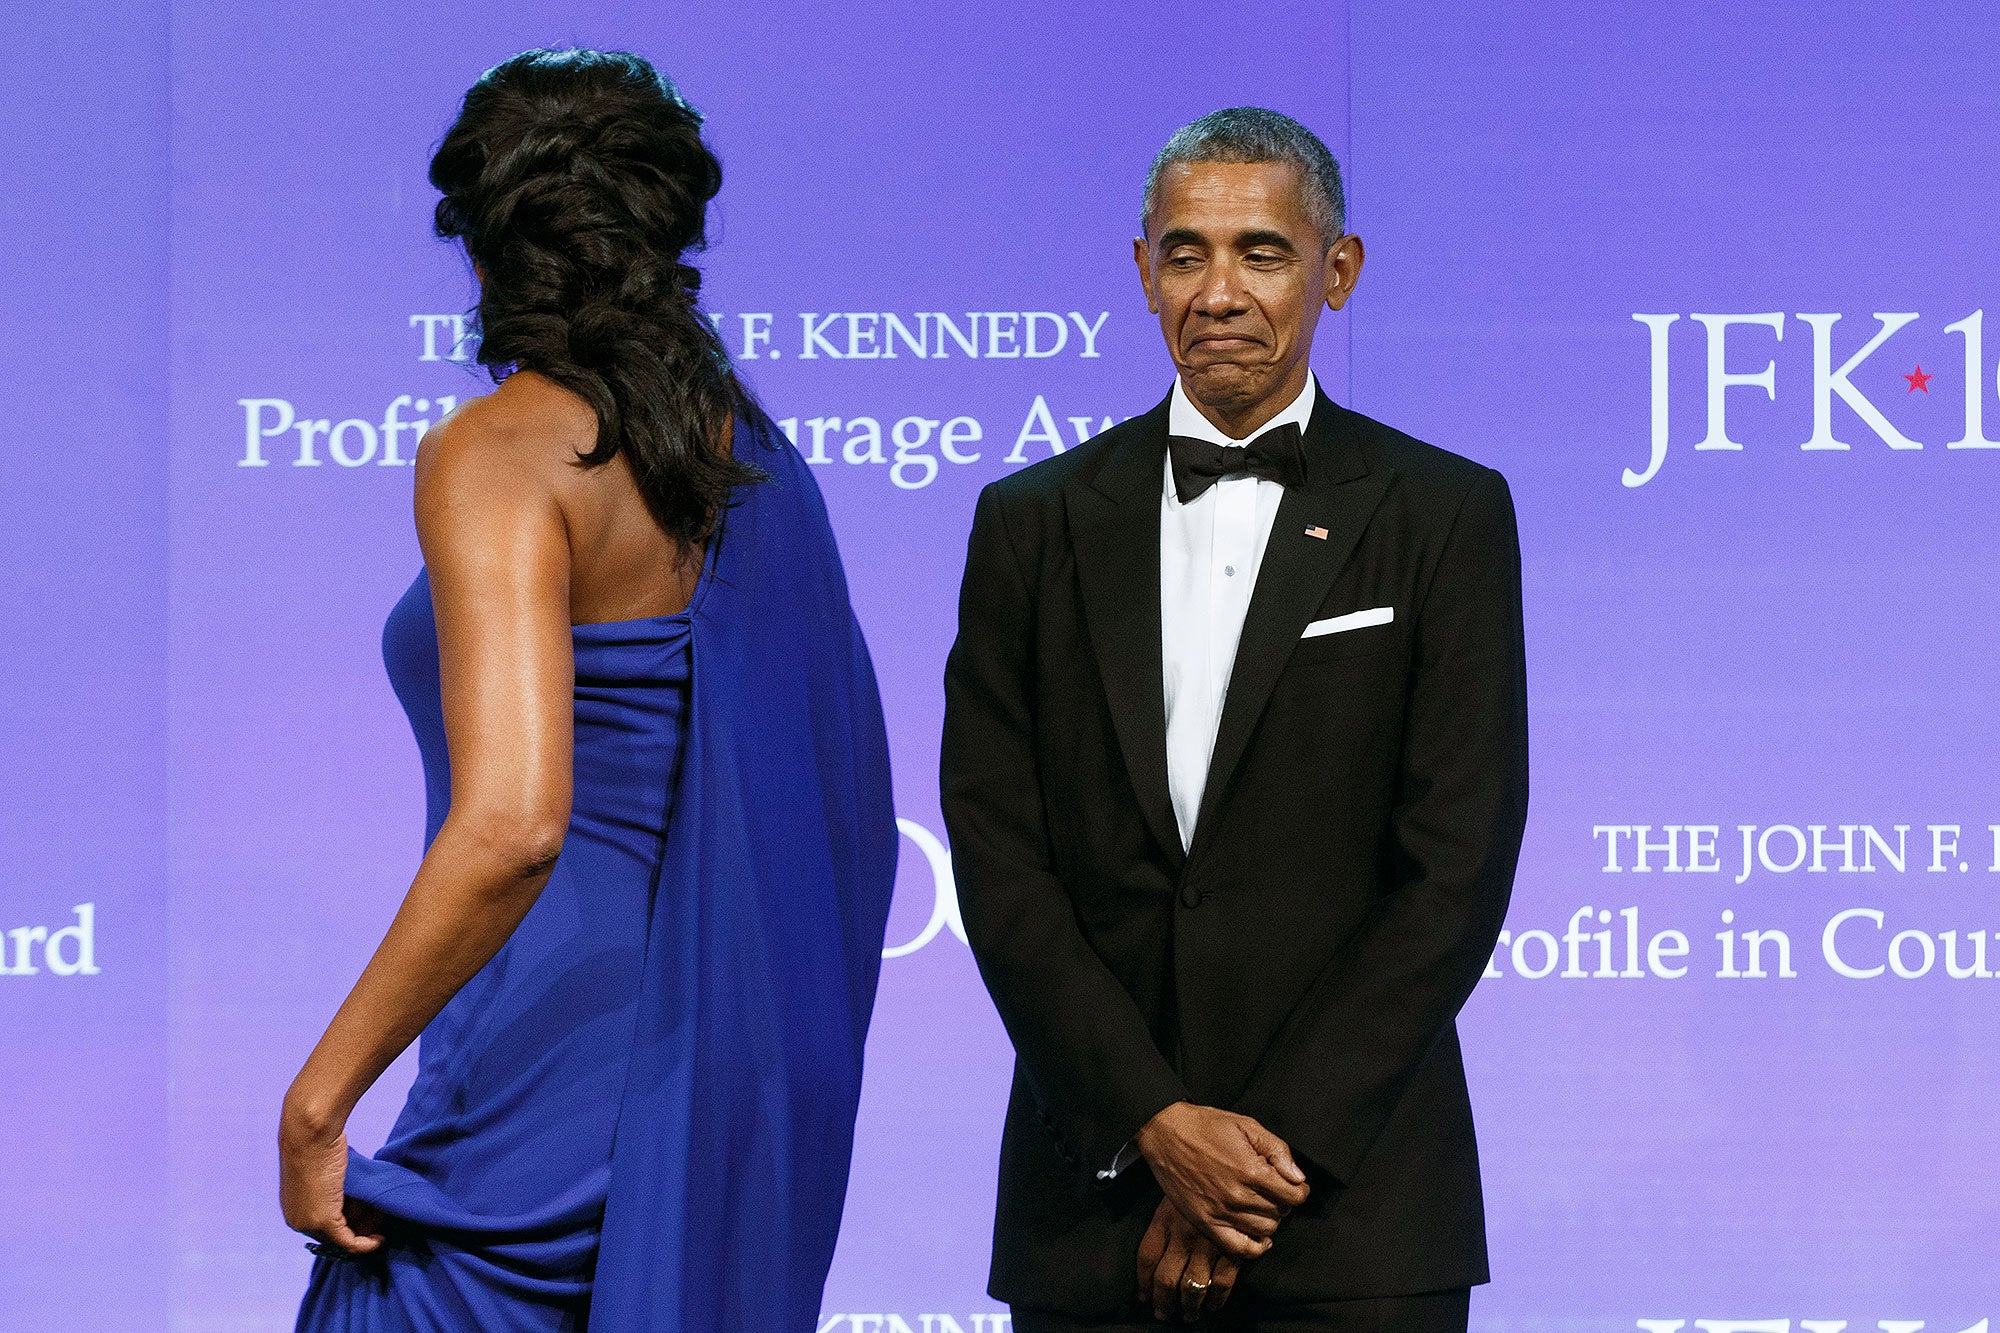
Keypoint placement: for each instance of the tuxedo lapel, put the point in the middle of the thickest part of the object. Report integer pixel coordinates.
(1114, 523)
(1341, 490)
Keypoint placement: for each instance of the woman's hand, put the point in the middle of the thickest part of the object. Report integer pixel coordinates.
(312, 1174)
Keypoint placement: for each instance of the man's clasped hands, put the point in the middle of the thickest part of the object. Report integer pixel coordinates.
(1229, 1182)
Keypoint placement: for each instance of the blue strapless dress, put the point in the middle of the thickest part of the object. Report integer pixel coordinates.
(639, 1115)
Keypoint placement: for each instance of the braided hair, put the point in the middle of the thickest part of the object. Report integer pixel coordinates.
(578, 180)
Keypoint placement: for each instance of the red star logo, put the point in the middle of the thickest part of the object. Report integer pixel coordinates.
(1919, 380)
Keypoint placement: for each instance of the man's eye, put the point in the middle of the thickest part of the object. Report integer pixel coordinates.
(1184, 261)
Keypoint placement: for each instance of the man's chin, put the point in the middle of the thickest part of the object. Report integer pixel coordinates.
(1225, 386)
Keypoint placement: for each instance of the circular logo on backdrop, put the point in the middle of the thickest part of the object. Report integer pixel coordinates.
(944, 902)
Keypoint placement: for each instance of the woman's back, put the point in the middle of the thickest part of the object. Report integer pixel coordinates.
(622, 564)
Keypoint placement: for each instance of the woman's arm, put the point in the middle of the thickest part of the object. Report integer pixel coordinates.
(497, 551)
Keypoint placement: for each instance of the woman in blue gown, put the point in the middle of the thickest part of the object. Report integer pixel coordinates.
(642, 946)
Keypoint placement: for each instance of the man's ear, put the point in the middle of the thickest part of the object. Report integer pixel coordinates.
(1343, 269)
(1144, 259)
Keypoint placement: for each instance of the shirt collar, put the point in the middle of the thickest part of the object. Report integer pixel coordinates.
(1184, 418)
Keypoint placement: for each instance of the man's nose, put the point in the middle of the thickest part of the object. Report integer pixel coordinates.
(1221, 294)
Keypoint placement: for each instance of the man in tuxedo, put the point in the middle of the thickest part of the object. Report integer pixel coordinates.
(1235, 772)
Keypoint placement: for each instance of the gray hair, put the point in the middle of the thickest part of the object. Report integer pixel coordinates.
(1253, 134)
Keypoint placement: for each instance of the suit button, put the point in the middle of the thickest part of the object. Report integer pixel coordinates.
(1190, 896)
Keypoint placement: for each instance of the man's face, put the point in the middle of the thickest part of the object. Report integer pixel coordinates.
(1237, 273)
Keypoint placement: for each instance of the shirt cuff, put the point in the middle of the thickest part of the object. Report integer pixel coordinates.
(1126, 1156)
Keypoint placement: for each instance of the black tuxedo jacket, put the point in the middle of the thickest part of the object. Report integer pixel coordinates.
(1304, 961)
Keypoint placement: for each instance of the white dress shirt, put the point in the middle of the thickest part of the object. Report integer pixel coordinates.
(1210, 551)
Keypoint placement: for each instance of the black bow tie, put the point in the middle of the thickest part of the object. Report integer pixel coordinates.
(1277, 455)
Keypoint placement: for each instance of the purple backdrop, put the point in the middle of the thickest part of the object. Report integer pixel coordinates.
(1635, 260)
(83, 635)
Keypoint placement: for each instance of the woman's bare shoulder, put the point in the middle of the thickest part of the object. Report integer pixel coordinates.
(523, 434)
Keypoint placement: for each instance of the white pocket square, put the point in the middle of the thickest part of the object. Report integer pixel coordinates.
(1378, 615)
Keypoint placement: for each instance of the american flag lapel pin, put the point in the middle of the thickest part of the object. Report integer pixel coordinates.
(1316, 531)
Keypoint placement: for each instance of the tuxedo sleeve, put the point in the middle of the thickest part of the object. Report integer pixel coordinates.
(1079, 1036)
(1330, 1080)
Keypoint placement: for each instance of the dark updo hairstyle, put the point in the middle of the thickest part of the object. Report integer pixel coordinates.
(577, 180)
